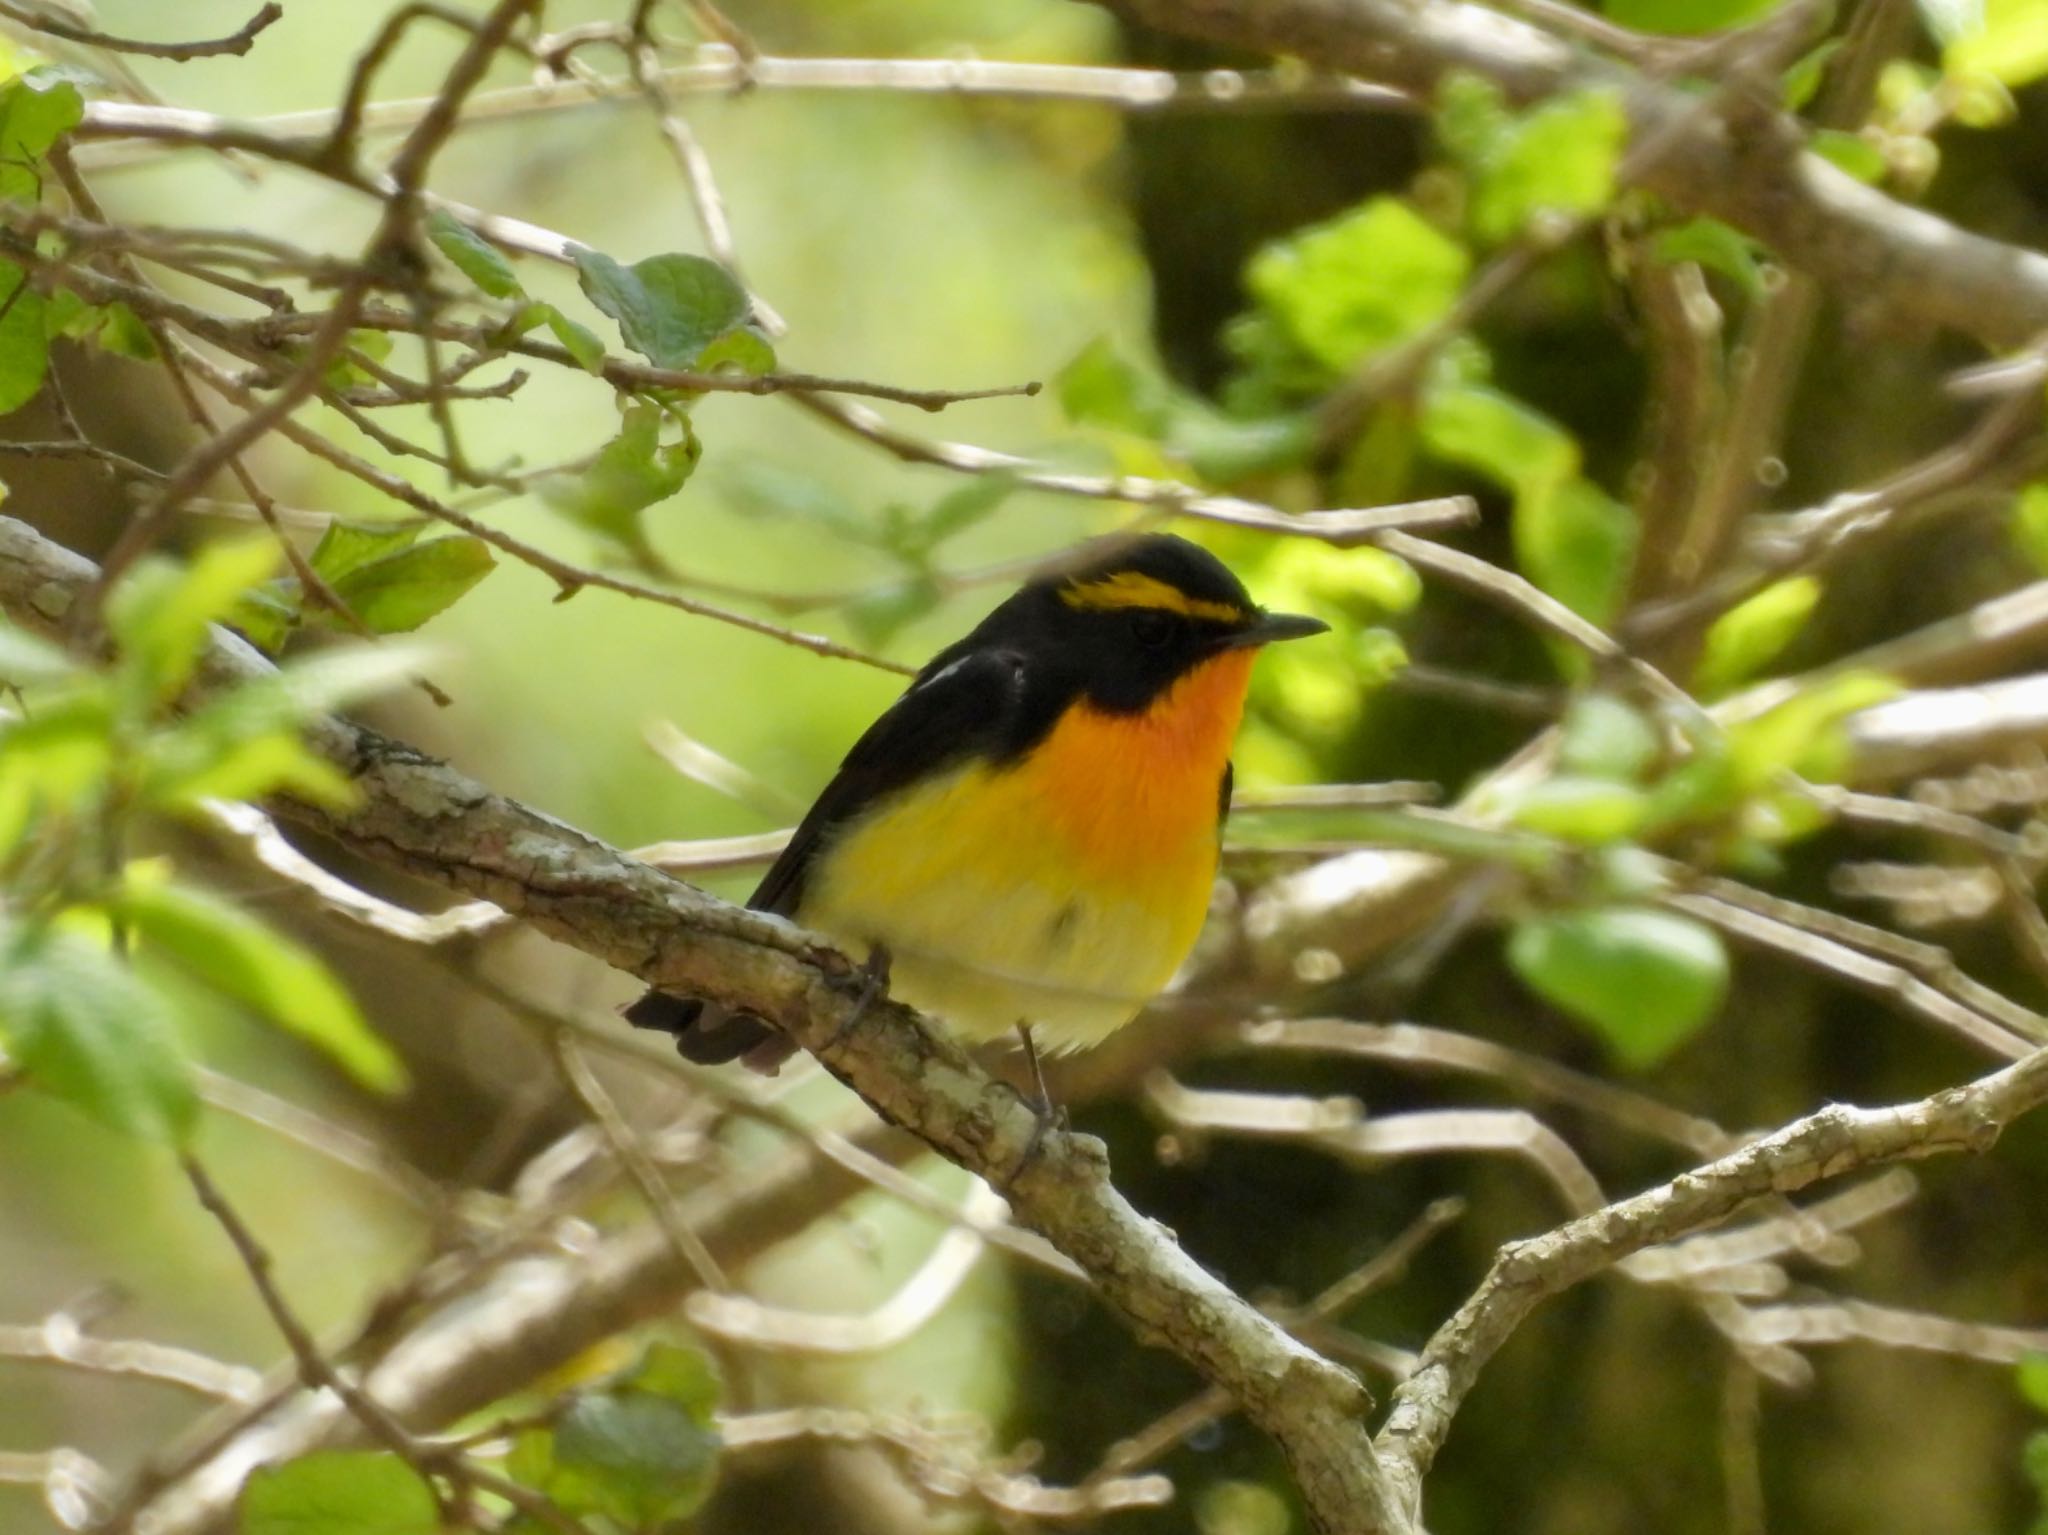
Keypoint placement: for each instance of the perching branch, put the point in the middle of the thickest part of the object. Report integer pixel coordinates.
(421, 816)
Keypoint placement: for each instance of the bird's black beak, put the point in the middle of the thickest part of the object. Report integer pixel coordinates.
(1269, 628)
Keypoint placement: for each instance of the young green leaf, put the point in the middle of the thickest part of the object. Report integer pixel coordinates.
(1645, 981)
(159, 613)
(1490, 431)
(632, 472)
(284, 983)
(1750, 635)
(1577, 543)
(395, 593)
(1719, 248)
(2004, 40)
(668, 308)
(1685, 17)
(36, 109)
(472, 255)
(339, 1492)
(1558, 159)
(1605, 738)
(581, 342)
(2030, 525)
(1345, 290)
(85, 1028)
(742, 349)
(122, 333)
(1589, 811)
(1852, 153)
(685, 1376)
(2033, 1380)
(347, 546)
(27, 659)
(24, 340)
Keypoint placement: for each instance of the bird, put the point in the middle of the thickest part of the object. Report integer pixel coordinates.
(1027, 839)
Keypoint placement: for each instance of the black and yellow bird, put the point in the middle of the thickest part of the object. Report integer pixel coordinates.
(1027, 838)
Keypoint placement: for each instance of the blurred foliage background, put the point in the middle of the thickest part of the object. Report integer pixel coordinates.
(959, 243)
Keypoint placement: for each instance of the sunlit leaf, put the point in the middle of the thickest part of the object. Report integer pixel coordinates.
(1645, 981)
(1750, 635)
(339, 1492)
(668, 308)
(2033, 1380)
(278, 979)
(1805, 734)
(1578, 544)
(1685, 17)
(2002, 40)
(122, 333)
(1490, 431)
(472, 255)
(1557, 159)
(1361, 283)
(158, 613)
(25, 658)
(1591, 811)
(85, 1028)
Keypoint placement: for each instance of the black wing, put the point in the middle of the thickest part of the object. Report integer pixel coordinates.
(962, 704)
(959, 706)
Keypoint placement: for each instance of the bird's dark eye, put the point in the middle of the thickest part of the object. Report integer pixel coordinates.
(1151, 628)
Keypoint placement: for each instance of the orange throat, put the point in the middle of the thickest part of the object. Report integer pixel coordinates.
(1127, 793)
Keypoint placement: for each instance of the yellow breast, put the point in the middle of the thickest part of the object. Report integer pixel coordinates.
(1063, 889)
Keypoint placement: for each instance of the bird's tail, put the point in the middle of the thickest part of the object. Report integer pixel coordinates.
(711, 1036)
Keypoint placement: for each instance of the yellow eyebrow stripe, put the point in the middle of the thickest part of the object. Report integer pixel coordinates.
(1130, 589)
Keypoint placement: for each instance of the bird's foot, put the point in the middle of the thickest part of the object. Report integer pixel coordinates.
(1047, 1115)
(874, 982)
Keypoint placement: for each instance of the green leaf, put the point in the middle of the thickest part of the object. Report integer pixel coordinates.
(278, 979)
(1852, 153)
(472, 255)
(396, 593)
(24, 340)
(26, 659)
(685, 1376)
(85, 1028)
(2003, 40)
(635, 1457)
(1604, 738)
(581, 342)
(1494, 433)
(760, 487)
(1556, 160)
(1645, 981)
(1750, 635)
(1589, 811)
(963, 507)
(1577, 543)
(123, 334)
(158, 614)
(742, 349)
(339, 1492)
(668, 308)
(2033, 1380)
(1359, 284)
(1102, 387)
(347, 546)
(1685, 17)
(54, 761)
(2030, 525)
(180, 779)
(1719, 248)
(632, 472)
(1805, 734)
(36, 109)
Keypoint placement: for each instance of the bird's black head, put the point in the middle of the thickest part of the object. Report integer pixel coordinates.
(1131, 616)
